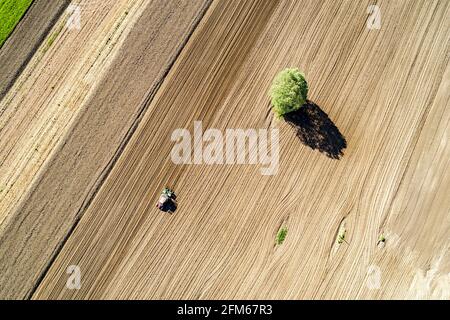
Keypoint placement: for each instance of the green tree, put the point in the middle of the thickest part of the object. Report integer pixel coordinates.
(288, 92)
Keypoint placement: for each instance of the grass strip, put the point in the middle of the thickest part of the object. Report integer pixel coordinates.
(11, 11)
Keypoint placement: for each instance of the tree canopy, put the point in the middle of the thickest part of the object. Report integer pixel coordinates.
(289, 91)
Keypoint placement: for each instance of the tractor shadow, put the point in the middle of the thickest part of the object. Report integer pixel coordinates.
(316, 130)
(170, 206)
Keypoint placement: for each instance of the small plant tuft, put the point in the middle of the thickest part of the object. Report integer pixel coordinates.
(341, 236)
(281, 235)
(381, 239)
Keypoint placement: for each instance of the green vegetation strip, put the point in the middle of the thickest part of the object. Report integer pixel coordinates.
(53, 37)
(11, 11)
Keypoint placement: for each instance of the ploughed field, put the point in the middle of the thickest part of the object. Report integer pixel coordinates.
(80, 190)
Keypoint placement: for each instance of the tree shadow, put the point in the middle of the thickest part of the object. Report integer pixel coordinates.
(316, 130)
